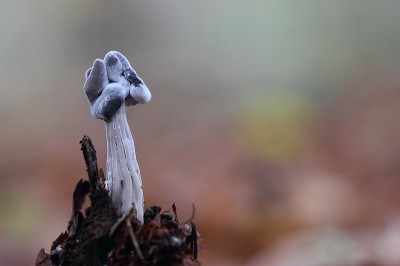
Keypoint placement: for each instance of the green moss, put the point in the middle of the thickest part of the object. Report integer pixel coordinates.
(276, 126)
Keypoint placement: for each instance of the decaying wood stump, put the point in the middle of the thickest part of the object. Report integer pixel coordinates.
(100, 237)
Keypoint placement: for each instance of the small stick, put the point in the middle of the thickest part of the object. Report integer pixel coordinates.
(174, 210)
(89, 153)
(192, 217)
(134, 241)
(193, 244)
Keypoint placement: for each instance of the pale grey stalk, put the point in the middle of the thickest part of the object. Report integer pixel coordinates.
(123, 174)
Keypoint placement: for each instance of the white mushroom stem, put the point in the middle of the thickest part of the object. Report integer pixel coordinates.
(123, 174)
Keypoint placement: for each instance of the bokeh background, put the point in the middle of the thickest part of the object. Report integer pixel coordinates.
(279, 120)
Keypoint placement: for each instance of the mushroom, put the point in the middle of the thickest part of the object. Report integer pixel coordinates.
(111, 84)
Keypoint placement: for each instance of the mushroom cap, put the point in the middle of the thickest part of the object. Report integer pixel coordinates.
(112, 82)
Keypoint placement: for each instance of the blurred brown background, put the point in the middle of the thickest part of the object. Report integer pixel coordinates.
(279, 120)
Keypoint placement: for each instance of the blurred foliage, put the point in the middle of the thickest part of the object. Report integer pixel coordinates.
(21, 210)
(276, 126)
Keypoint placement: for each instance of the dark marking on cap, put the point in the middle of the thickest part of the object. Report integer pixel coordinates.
(132, 77)
(111, 107)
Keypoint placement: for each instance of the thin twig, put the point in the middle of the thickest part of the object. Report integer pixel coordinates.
(134, 241)
(175, 213)
(89, 153)
(193, 245)
(192, 217)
